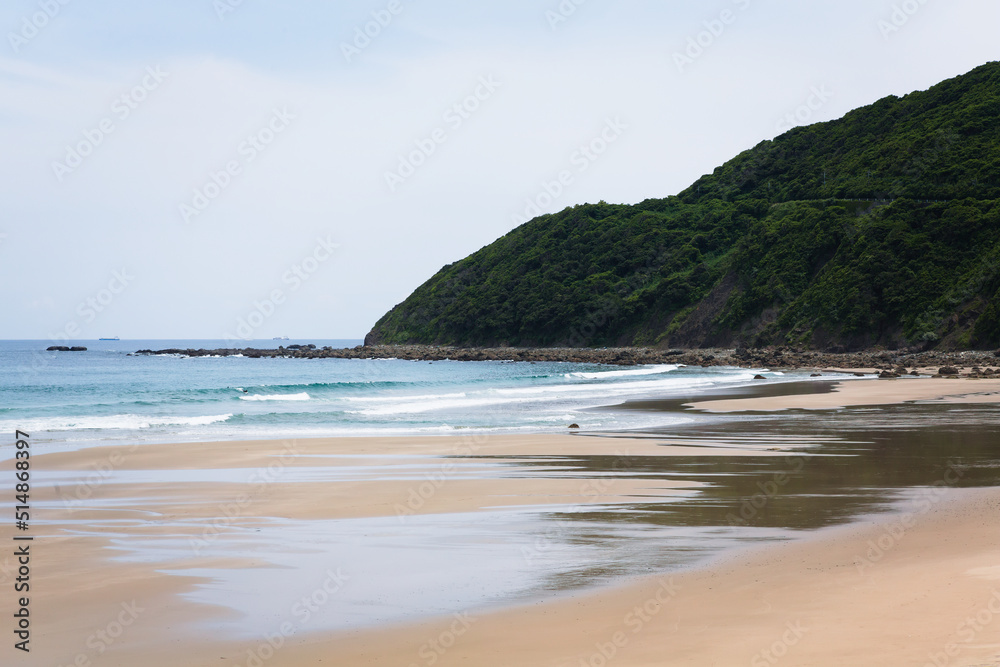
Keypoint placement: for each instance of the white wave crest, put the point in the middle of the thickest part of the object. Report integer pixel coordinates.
(645, 370)
(277, 397)
(117, 422)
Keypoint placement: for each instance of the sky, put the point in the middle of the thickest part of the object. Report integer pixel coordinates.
(241, 169)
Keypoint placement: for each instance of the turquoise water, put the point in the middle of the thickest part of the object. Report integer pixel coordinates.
(106, 394)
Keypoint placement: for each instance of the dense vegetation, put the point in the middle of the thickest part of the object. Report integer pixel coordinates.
(881, 228)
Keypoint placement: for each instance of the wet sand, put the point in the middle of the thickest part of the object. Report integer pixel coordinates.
(91, 508)
(829, 601)
(893, 589)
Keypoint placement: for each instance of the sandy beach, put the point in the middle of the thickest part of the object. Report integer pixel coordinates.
(917, 585)
(867, 393)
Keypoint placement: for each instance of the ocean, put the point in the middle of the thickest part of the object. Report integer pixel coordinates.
(251, 561)
(107, 395)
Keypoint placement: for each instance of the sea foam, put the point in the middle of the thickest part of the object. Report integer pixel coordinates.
(645, 370)
(113, 422)
(277, 397)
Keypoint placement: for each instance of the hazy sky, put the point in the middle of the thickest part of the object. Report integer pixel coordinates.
(204, 168)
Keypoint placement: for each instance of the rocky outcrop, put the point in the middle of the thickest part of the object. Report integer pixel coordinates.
(893, 363)
(63, 348)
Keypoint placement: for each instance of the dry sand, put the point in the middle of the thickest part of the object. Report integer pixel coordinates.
(898, 590)
(866, 392)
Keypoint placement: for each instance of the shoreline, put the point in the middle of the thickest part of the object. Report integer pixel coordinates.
(747, 596)
(779, 358)
(788, 394)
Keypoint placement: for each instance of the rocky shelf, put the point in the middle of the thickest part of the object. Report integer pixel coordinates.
(891, 362)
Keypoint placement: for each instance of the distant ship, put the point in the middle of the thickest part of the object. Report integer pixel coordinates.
(115, 338)
(280, 338)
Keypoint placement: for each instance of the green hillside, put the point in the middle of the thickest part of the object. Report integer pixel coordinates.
(881, 228)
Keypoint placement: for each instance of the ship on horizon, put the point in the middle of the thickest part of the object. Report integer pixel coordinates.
(115, 338)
